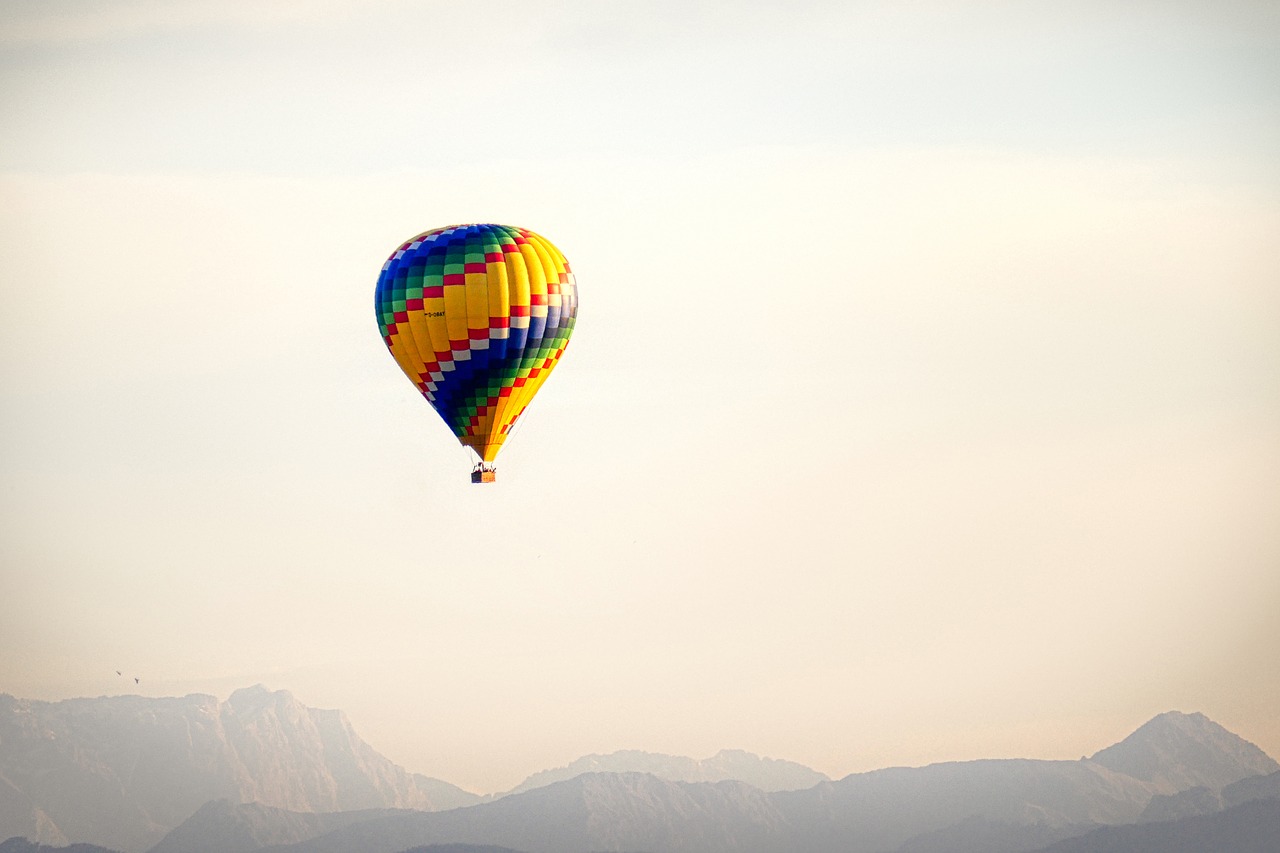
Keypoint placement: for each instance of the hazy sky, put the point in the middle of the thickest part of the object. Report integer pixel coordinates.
(924, 402)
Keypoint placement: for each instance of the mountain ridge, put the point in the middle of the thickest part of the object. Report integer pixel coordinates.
(984, 806)
(263, 771)
(1250, 827)
(767, 774)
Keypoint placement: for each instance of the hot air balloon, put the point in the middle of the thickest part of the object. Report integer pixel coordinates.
(477, 316)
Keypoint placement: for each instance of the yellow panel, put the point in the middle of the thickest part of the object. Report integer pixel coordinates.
(433, 311)
(499, 297)
(479, 288)
(488, 296)
(405, 353)
(421, 338)
(492, 445)
(517, 276)
(552, 260)
(537, 272)
(477, 300)
(455, 312)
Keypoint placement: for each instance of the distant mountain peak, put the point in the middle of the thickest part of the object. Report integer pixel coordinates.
(1176, 751)
(258, 689)
(1179, 721)
(258, 697)
(766, 774)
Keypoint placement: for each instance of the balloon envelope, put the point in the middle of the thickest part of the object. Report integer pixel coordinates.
(477, 316)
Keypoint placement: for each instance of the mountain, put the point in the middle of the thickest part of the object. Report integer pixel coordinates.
(592, 812)
(122, 771)
(1018, 805)
(1252, 827)
(1202, 800)
(980, 807)
(997, 806)
(960, 806)
(1177, 751)
(983, 835)
(226, 827)
(767, 774)
(222, 826)
(263, 772)
(1253, 788)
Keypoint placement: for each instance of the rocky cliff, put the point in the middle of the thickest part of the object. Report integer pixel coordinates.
(122, 771)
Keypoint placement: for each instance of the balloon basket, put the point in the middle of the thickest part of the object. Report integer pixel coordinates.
(484, 475)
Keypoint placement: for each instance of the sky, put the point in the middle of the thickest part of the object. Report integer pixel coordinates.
(923, 404)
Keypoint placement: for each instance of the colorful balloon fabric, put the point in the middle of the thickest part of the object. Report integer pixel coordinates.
(477, 316)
